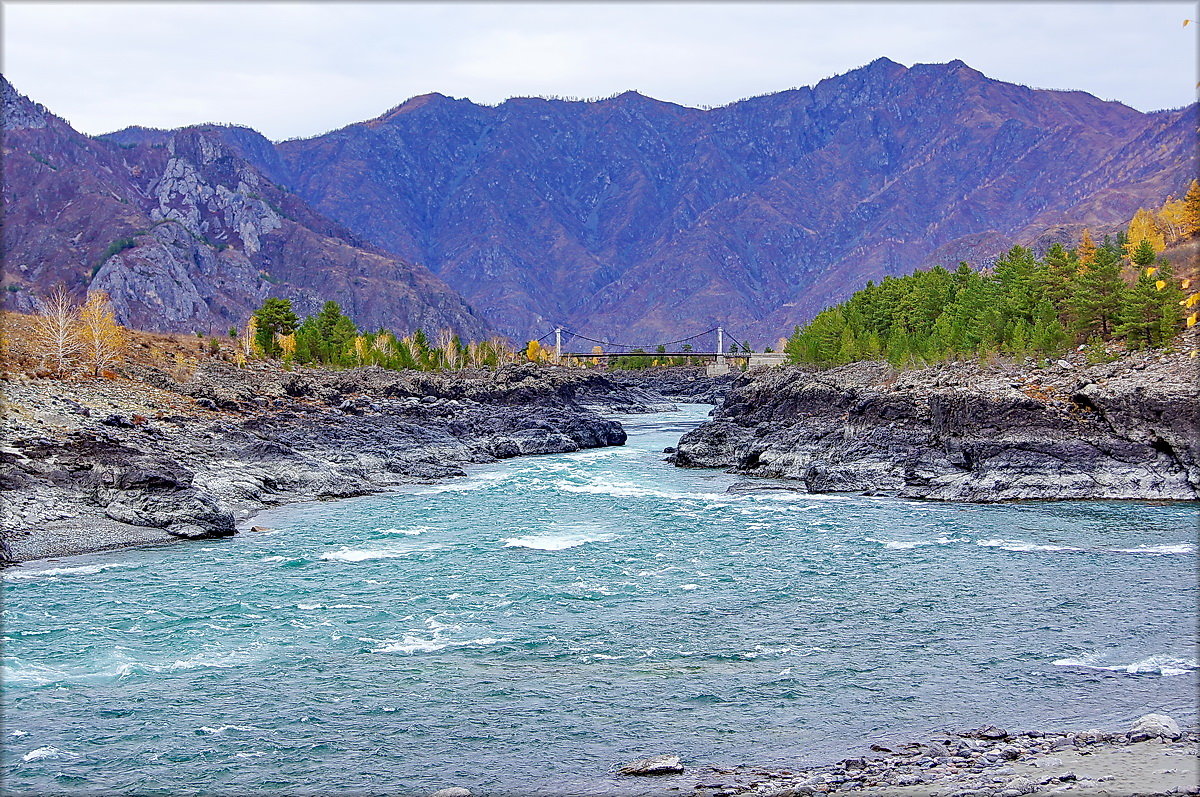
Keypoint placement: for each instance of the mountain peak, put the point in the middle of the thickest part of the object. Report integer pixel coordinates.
(426, 100)
(20, 112)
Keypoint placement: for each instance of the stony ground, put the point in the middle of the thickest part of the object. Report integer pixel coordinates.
(1155, 757)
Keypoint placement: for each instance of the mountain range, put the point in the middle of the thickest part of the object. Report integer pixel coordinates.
(626, 216)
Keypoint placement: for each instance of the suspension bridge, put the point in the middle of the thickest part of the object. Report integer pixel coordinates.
(716, 347)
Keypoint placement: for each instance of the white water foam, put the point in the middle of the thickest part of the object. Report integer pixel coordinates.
(556, 542)
(17, 673)
(478, 481)
(43, 752)
(901, 545)
(413, 644)
(1021, 546)
(412, 531)
(1152, 665)
(907, 545)
(82, 570)
(1159, 550)
(215, 731)
(624, 489)
(345, 554)
(310, 606)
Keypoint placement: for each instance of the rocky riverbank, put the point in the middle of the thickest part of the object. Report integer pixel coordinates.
(90, 464)
(967, 431)
(1154, 757)
(691, 385)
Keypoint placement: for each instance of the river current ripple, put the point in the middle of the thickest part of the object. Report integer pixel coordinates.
(522, 630)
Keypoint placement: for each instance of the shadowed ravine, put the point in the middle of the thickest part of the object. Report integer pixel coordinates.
(524, 629)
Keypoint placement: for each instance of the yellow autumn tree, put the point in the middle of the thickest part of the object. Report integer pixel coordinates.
(448, 347)
(534, 351)
(102, 338)
(249, 346)
(1087, 249)
(1191, 209)
(1172, 219)
(56, 330)
(361, 348)
(287, 345)
(1142, 227)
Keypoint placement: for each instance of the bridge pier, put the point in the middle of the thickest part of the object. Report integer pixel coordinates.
(718, 367)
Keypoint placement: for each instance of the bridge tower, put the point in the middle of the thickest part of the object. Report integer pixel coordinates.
(558, 344)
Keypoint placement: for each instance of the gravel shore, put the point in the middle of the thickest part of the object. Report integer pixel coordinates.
(1155, 757)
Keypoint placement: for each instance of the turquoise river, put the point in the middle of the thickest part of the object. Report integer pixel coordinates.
(524, 629)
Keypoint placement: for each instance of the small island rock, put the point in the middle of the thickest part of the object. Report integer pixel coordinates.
(1152, 725)
(654, 765)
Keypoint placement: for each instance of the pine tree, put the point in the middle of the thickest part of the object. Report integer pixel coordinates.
(275, 317)
(1020, 279)
(1049, 336)
(1143, 255)
(1150, 313)
(1096, 295)
(326, 336)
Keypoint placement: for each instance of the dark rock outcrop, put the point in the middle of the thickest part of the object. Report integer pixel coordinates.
(690, 385)
(966, 432)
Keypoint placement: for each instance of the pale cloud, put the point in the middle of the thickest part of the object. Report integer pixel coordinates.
(292, 69)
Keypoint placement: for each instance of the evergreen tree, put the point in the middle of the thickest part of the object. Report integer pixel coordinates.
(1049, 336)
(1096, 295)
(1150, 311)
(274, 318)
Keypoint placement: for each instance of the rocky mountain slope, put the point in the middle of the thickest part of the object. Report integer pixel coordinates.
(641, 216)
(626, 215)
(186, 235)
(967, 431)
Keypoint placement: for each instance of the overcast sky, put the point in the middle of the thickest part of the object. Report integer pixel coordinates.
(299, 69)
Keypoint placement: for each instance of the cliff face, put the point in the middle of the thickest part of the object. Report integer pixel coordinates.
(639, 216)
(965, 432)
(186, 235)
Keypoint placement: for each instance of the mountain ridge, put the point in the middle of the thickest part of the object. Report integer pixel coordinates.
(185, 235)
(635, 214)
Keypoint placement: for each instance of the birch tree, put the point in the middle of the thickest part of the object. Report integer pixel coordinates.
(56, 330)
(102, 339)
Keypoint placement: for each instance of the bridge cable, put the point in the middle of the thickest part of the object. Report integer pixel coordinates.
(640, 346)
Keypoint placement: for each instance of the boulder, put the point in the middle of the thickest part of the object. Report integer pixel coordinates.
(1154, 725)
(653, 765)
